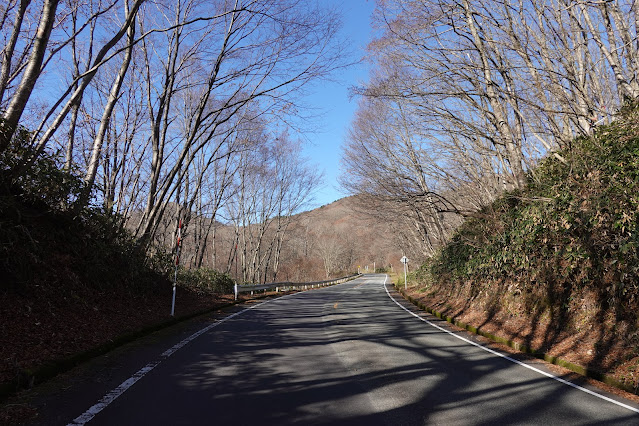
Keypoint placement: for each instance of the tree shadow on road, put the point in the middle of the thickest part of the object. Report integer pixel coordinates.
(354, 363)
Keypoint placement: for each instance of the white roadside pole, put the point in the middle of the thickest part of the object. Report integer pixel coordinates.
(177, 263)
(404, 260)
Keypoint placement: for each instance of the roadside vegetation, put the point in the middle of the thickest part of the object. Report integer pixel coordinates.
(42, 231)
(121, 122)
(74, 279)
(496, 142)
(500, 140)
(561, 254)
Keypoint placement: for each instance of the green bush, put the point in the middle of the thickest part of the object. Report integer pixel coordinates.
(206, 279)
(40, 183)
(44, 240)
(573, 227)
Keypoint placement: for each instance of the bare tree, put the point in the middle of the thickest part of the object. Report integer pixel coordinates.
(32, 70)
(329, 250)
(466, 95)
(252, 71)
(45, 130)
(392, 165)
(114, 95)
(272, 184)
(12, 61)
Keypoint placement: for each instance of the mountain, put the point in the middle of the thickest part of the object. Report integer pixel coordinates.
(336, 239)
(330, 241)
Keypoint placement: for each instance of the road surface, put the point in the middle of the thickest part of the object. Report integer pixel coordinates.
(347, 354)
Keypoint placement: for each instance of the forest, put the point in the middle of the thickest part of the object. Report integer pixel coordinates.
(467, 97)
(494, 144)
(503, 136)
(167, 113)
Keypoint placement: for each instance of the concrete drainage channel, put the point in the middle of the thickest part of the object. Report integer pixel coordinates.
(611, 381)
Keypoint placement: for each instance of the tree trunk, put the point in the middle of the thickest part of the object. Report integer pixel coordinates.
(5, 71)
(114, 95)
(32, 72)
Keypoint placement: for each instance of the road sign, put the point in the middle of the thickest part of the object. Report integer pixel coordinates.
(404, 260)
(178, 245)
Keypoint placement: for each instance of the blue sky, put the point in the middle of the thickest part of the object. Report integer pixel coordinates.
(324, 148)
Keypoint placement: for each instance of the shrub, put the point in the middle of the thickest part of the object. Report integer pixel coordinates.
(206, 279)
(573, 227)
(40, 183)
(45, 241)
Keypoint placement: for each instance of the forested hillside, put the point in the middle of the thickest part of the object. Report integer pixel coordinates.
(495, 142)
(571, 232)
(76, 281)
(465, 98)
(555, 265)
(166, 115)
(332, 240)
(125, 124)
(500, 139)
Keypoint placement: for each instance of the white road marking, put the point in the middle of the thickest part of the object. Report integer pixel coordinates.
(125, 385)
(552, 376)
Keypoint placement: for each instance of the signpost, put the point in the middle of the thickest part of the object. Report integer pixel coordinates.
(177, 263)
(404, 260)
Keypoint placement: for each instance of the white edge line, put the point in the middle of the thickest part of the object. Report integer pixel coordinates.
(125, 385)
(552, 376)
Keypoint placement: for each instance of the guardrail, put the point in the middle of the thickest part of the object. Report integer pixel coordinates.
(286, 285)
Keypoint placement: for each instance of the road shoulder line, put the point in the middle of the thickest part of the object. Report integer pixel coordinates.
(549, 375)
(125, 385)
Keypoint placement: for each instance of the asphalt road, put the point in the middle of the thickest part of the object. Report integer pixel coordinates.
(346, 354)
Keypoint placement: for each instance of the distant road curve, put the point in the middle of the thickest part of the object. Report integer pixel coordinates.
(347, 354)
